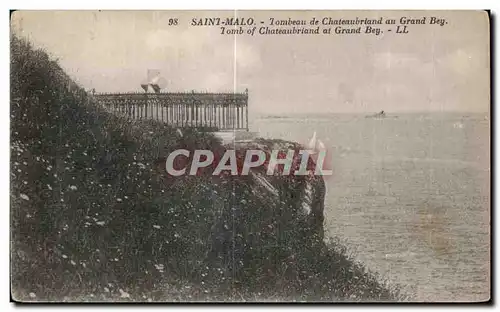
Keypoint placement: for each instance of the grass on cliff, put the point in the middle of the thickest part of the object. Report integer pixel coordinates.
(91, 218)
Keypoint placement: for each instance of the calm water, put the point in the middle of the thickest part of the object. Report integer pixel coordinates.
(409, 196)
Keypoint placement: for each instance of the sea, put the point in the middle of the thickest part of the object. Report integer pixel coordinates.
(409, 195)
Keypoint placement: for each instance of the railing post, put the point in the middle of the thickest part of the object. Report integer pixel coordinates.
(157, 102)
(238, 116)
(162, 109)
(223, 116)
(146, 106)
(246, 112)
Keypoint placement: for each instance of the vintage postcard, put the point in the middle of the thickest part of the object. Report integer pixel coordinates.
(250, 156)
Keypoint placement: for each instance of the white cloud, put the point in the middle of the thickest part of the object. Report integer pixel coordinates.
(247, 57)
(391, 61)
(463, 61)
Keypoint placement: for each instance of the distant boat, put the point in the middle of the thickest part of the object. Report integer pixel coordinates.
(377, 115)
(381, 115)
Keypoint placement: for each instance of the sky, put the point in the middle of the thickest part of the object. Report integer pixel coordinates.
(432, 68)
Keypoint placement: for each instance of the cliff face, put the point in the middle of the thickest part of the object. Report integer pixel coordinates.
(92, 219)
(304, 194)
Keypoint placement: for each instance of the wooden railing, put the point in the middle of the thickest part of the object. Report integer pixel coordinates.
(221, 111)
